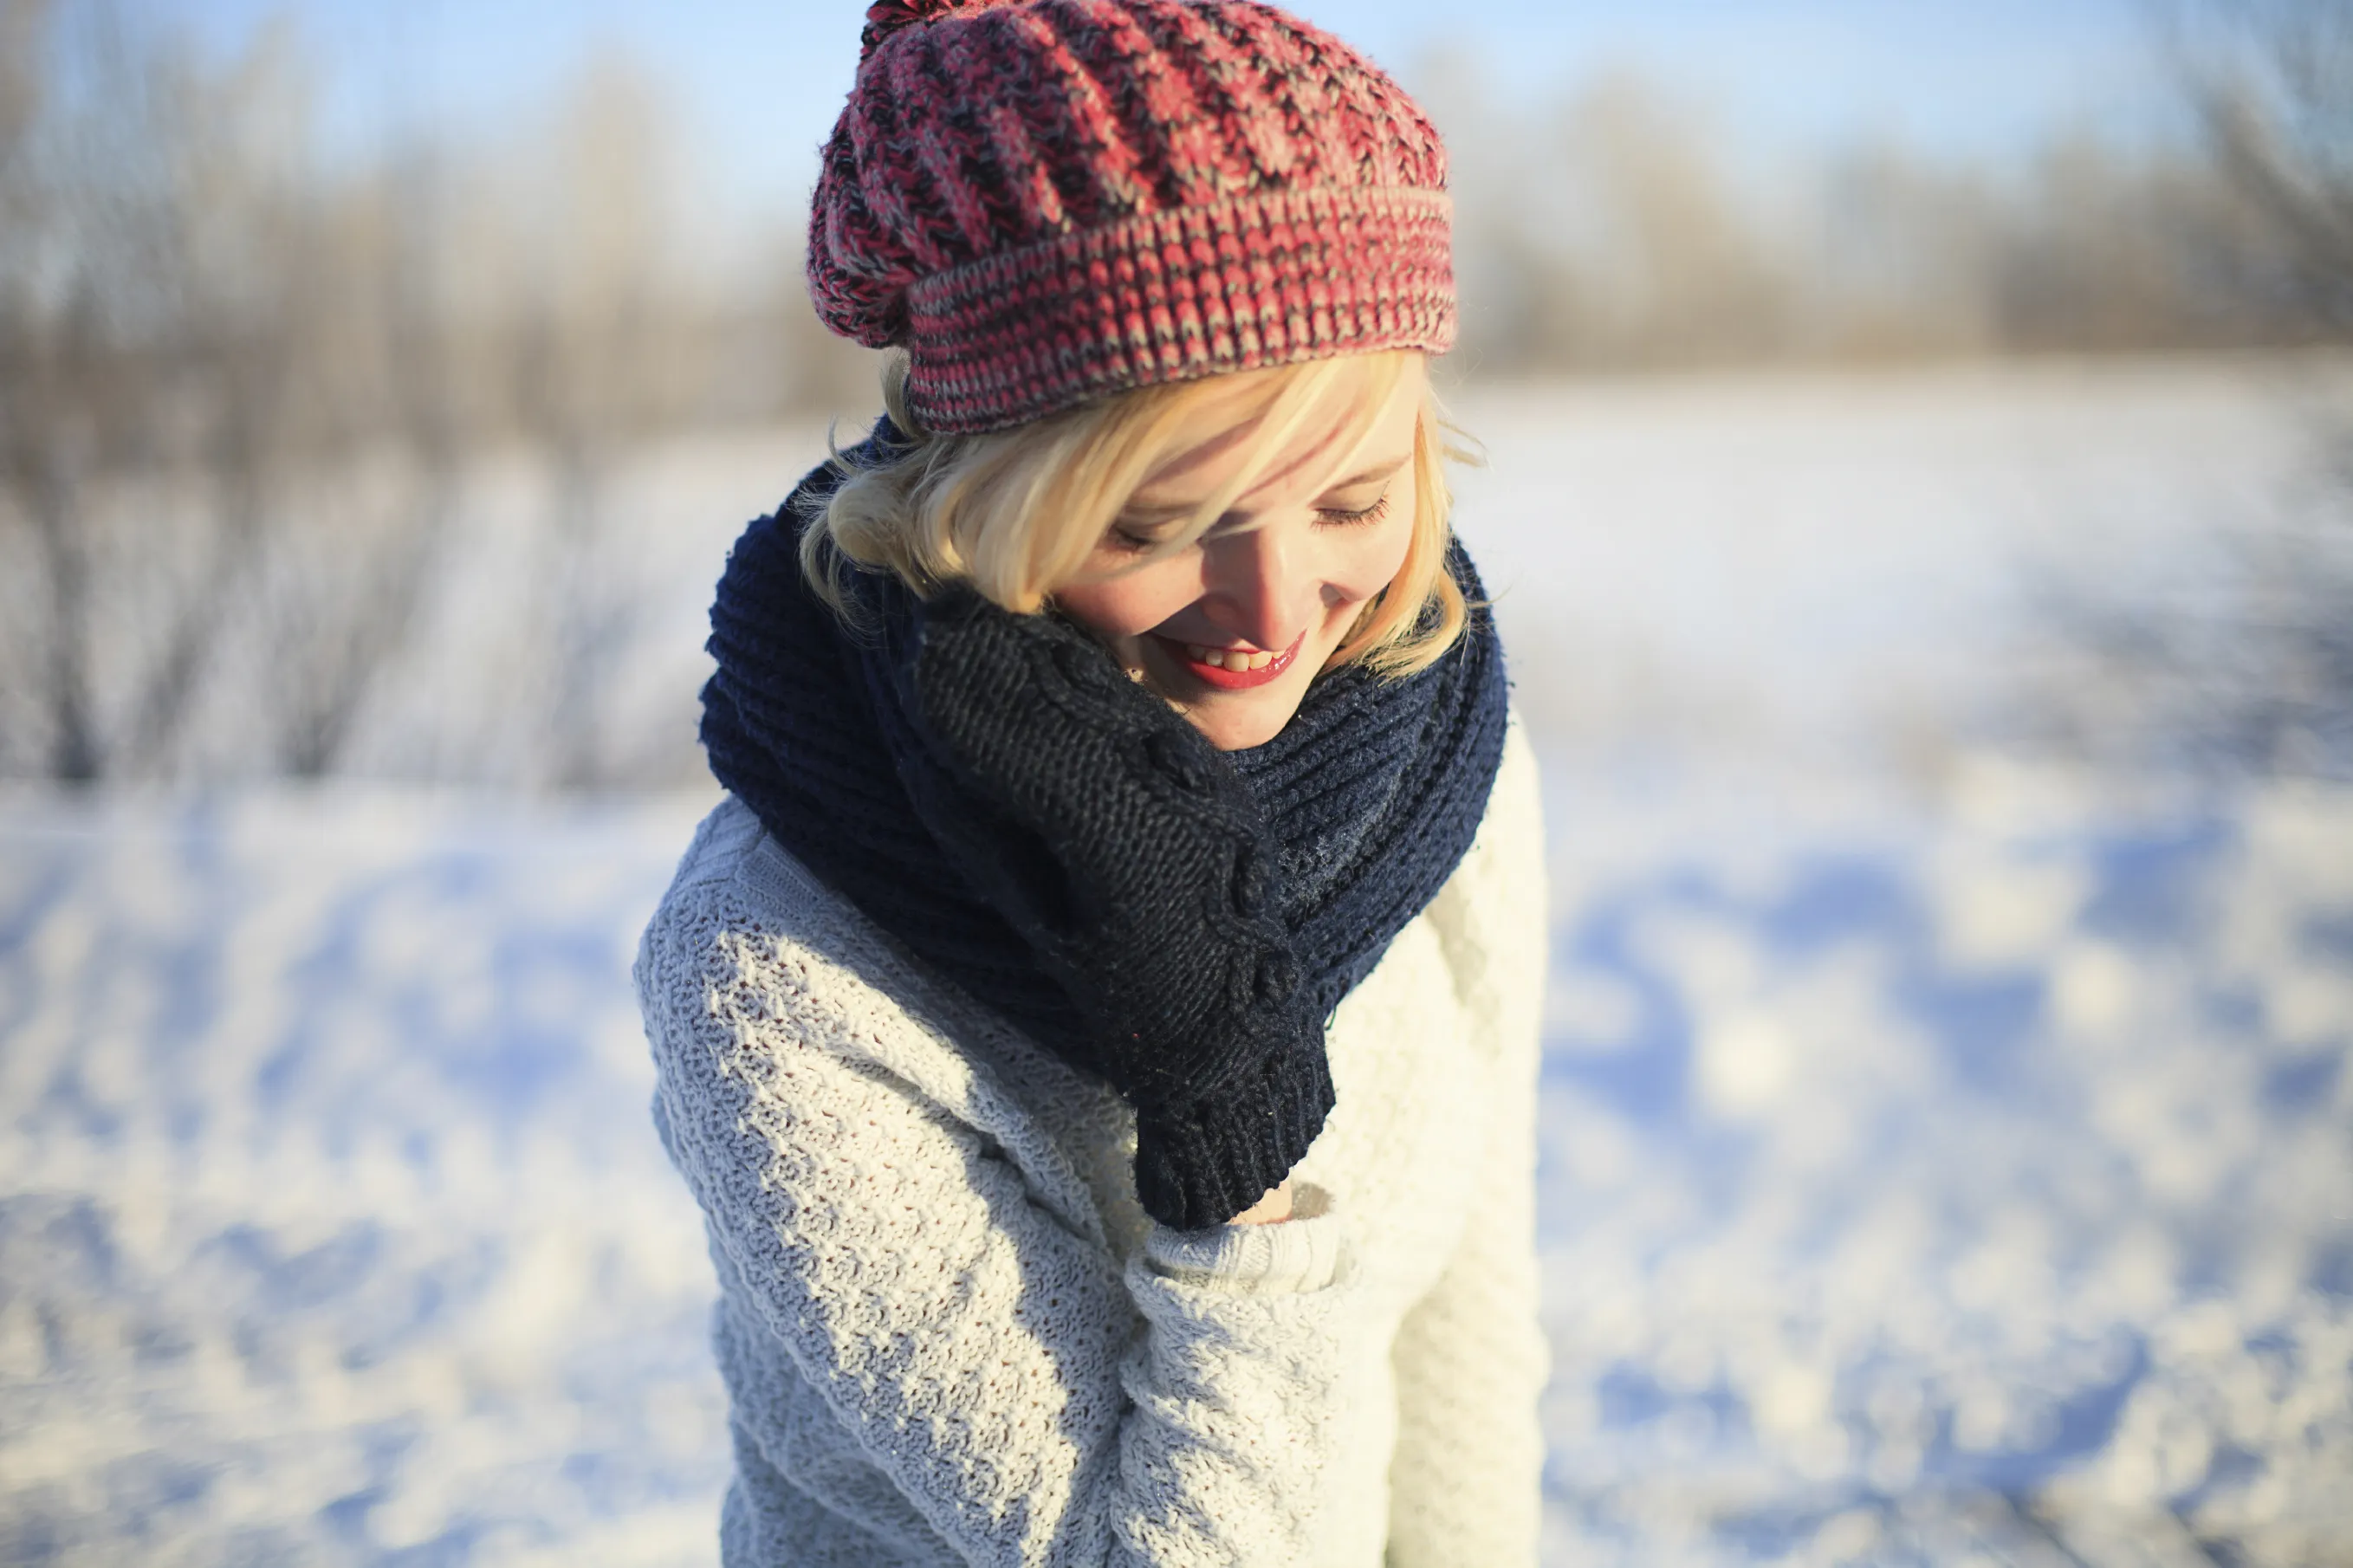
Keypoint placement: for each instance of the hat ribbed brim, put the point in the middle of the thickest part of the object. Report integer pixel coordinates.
(1263, 279)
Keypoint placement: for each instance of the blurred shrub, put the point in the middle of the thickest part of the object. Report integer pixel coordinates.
(1616, 227)
(250, 392)
(245, 388)
(2250, 669)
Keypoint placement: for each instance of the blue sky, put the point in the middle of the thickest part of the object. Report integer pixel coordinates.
(757, 84)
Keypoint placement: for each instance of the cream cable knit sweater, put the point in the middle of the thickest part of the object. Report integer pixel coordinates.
(951, 1337)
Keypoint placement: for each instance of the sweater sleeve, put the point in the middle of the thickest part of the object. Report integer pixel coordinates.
(969, 1342)
(1470, 1359)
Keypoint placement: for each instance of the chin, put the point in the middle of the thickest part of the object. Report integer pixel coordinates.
(1229, 721)
(1238, 726)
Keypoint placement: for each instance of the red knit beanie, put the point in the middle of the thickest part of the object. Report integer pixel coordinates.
(1049, 201)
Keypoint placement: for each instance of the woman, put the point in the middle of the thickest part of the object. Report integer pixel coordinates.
(1100, 1025)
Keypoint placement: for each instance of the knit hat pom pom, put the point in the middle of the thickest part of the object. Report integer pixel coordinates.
(885, 18)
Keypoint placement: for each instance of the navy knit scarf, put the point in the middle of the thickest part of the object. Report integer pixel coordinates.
(995, 792)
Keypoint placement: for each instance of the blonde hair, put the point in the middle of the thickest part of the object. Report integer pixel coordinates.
(1017, 513)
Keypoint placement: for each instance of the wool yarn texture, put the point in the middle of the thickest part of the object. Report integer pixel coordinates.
(1044, 202)
(950, 1335)
(993, 790)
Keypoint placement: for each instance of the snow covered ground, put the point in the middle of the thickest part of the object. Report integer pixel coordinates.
(1945, 1162)
(1972, 1186)
(333, 1228)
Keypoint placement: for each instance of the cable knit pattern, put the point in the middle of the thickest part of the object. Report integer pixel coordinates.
(952, 1336)
(1055, 839)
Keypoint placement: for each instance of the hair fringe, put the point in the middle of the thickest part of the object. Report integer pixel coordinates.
(969, 508)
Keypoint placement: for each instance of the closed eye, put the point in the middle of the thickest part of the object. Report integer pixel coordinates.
(1341, 517)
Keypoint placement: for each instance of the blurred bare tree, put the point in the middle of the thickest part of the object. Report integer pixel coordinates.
(99, 371)
(248, 396)
(186, 314)
(260, 407)
(1616, 227)
(2253, 671)
(2272, 81)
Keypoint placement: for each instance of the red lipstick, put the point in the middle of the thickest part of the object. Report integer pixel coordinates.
(1221, 680)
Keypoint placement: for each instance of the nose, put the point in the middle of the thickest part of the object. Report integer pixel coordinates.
(1261, 587)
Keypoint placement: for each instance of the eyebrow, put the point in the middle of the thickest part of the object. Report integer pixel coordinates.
(1377, 471)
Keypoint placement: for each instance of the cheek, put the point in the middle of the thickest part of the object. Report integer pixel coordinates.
(1134, 604)
(1367, 561)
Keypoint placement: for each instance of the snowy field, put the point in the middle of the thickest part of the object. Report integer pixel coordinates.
(1947, 1160)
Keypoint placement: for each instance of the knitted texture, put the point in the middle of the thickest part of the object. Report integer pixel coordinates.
(997, 793)
(1048, 201)
(949, 1336)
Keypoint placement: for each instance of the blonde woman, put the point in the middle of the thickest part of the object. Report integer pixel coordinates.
(1100, 1024)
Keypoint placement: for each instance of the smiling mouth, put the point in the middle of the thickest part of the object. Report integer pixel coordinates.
(1236, 669)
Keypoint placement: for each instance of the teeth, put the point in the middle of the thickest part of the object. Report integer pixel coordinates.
(1228, 657)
